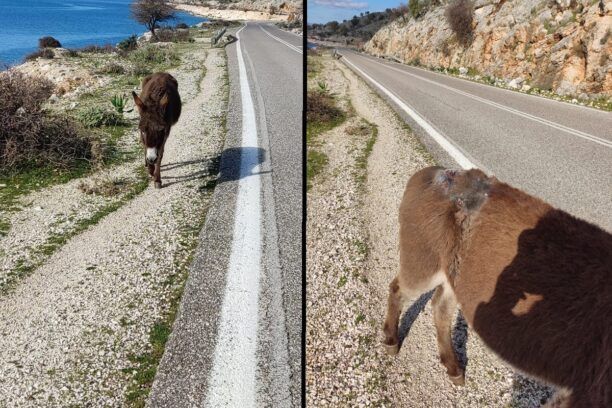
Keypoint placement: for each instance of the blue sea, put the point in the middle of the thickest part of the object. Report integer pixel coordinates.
(74, 23)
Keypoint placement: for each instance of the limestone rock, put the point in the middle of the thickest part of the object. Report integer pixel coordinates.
(514, 39)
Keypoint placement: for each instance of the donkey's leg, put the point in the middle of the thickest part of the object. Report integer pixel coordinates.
(444, 305)
(394, 304)
(160, 155)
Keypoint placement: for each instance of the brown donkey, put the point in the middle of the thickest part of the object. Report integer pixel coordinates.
(534, 282)
(159, 106)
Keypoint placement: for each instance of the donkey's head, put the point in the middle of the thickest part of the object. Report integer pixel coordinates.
(153, 127)
(467, 189)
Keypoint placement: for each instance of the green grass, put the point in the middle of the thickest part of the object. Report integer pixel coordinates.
(361, 161)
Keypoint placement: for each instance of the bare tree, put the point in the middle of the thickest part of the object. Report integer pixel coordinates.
(151, 13)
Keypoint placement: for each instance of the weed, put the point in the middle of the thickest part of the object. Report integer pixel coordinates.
(94, 117)
(119, 102)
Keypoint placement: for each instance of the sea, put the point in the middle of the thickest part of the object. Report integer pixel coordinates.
(73, 23)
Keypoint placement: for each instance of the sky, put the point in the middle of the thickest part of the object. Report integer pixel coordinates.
(322, 11)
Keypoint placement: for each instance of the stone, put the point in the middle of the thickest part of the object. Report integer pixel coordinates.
(463, 70)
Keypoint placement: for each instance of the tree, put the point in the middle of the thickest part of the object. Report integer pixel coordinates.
(151, 13)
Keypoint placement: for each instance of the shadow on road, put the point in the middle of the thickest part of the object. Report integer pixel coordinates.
(240, 162)
(411, 315)
(206, 167)
(460, 329)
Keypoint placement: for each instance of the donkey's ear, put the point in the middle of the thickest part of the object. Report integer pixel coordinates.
(137, 101)
(164, 101)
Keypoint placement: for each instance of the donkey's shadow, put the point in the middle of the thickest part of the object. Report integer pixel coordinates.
(205, 167)
(231, 165)
(459, 333)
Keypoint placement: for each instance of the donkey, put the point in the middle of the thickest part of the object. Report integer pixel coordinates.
(534, 282)
(159, 105)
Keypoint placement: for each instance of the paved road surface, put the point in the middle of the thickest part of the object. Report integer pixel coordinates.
(237, 338)
(559, 152)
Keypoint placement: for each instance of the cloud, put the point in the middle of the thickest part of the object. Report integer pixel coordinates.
(344, 4)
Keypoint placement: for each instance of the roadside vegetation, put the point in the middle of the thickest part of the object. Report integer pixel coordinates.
(459, 15)
(360, 28)
(47, 138)
(322, 114)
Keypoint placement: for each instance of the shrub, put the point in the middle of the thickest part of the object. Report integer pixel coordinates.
(94, 117)
(72, 53)
(111, 68)
(320, 107)
(43, 53)
(31, 136)
(98, 49)
(417, 8)
(48, 42)
(129, 44)
(140, 69)
(154, 55)
(181, 25)
(459, 15)
(170, 35)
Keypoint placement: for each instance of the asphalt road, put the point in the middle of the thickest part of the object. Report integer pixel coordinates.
(237, 337)
(557, 151)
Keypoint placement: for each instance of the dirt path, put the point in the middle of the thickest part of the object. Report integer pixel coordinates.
(414, 378)
(86, 326)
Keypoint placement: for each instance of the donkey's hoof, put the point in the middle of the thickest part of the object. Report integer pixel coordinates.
(158, 184)
(391, 349)
(458, 379)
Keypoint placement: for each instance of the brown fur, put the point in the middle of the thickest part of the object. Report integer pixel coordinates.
(159, 105)
(534, 282)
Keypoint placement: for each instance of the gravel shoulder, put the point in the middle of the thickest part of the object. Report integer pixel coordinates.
(352, 257)
(78, 327)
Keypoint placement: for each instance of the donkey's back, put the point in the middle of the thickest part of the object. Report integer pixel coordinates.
(157, 86)
(534, 282)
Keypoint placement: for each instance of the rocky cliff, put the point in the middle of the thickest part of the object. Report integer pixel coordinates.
(560, 45)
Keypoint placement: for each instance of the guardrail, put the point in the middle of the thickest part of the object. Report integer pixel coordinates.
(215, 38)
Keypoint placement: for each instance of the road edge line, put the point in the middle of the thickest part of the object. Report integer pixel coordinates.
(232, 380)
(454, 152)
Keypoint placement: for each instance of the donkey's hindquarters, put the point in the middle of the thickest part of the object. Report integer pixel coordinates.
(534, 282)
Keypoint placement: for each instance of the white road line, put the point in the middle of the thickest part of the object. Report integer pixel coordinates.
(538, 119)
(232, 381)
(443, 141)
(293, 47)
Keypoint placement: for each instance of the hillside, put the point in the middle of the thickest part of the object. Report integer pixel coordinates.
(564, 45)
(358, 29)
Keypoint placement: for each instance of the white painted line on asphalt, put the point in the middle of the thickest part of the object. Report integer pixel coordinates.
(293, 47)
(538, 119)
(449, 147)
(232, 381)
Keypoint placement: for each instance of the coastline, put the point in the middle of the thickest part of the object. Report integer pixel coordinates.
(230, 15)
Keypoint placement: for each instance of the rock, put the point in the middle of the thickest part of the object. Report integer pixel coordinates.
(54, 98)
(20, 111)
(511, 41)
(516, 83)
(545, 15)
(463, 70)
(525, 88)
(564, 3)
